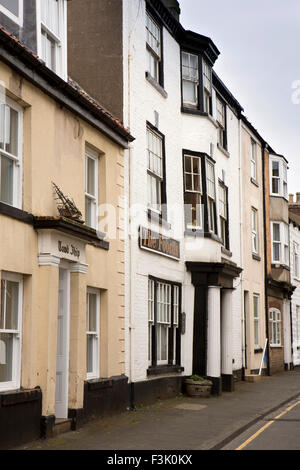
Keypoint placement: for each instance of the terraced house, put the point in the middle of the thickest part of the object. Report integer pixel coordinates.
(183, 305)
(62, 280)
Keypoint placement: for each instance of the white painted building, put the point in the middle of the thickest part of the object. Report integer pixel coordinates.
(170, 95)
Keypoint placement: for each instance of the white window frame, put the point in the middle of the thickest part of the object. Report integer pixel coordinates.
(16, 19)
(17, 159)
(223, 212)
(199, 215)
(221, 109)
(207, 92)
(275, 327)
(156, 55)
(283, 243)
(155, 172)
(297, 325)
(211, 197)
(282, 178)
(194, 80)
(256, 320)
(15, 383)
(61, 41)
(253, 161)
(254, 230)
(91, 154)
(296, 260)
(95, 373)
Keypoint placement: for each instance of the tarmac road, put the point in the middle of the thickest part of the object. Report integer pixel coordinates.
(277, 431)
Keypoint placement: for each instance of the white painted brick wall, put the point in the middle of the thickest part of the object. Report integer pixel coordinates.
(141, 99)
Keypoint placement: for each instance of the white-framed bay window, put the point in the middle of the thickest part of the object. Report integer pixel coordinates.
(10, 330)
(275, 327)
(52, 34)
(93, 333)
(253, 159)
(91, 188)
(280, 243)
(278, 177)
(211, 196)
(11, 142)
(193, 192)
(13, 9)
(296, 260)
(190, 79)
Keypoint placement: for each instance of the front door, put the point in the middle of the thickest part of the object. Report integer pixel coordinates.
(62, 354)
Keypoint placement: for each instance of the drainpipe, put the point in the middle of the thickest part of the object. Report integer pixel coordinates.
(264, 147)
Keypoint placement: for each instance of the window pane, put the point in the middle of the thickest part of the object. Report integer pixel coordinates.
(11, 307)
(12, 128)
(11, 5)
(192, 210)
(6, 357)
(276, 232)
(88, 212)
(275, 186)
(91, 187)
(6, 180)
(92, 317)
(276, 251)
(189, 92)
(275, 168)
(90, 353)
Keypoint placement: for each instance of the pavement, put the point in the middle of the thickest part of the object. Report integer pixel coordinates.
(183, 423)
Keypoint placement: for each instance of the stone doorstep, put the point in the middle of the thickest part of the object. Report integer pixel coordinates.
(61, 426)
(252, 378)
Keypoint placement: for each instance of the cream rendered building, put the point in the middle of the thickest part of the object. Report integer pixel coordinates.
(253, 275)
(62, 280)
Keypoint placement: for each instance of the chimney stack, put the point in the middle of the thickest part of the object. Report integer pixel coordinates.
(174, 7)
(291, 198)
(298, 198)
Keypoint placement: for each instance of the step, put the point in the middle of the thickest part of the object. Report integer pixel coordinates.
(252, 378)
(61, 426)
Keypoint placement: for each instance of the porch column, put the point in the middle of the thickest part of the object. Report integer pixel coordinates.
(214, 338)
(226, 340)
(77, 372)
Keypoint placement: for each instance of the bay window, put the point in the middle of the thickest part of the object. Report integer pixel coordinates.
(10, 331)
(211, 196)
(221, 121)
(52, 38)
(280, 243)
(193, 191)
(275, 327)
(91, 188)
(10, 153)
(155, 170)
(196, 77)
(163, 321)
(278, 177)
(190, 79)
(296, 259)
(154, 48)
(92, 333)
(223, 214)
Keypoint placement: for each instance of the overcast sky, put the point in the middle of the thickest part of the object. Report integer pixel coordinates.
(259, 41)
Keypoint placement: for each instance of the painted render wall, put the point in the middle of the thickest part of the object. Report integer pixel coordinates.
(181, 131)
(253, 275)
(54, 150)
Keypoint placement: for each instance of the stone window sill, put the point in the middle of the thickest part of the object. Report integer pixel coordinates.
(256, 257)
(157, 218)
(156, 85)
(226, 153)
(226, 252)
(253, 181)
(166, 369)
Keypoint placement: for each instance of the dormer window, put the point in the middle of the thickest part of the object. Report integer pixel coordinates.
(196, 83)
(13, 9)
(52, 43)
(278, 177)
